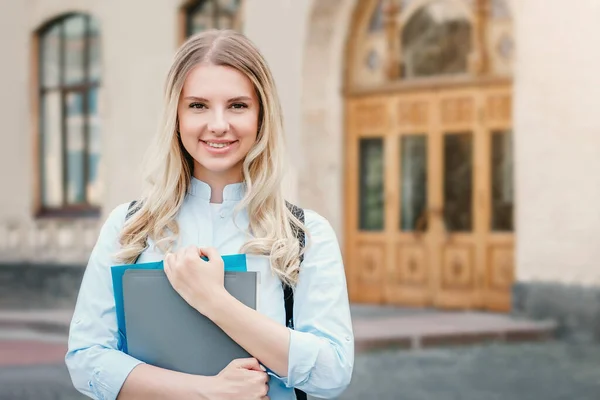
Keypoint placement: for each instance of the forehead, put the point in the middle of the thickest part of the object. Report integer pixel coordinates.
(207, 80)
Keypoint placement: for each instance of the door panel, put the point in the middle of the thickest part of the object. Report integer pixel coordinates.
(429, 194)
(498, 238)
(411, 255)
(457, 180)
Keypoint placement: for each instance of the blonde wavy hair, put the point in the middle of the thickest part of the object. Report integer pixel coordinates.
(272, 227)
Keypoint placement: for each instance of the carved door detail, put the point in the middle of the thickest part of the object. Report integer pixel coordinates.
(429, 198)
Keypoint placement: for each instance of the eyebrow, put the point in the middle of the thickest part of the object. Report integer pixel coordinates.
(239, 98)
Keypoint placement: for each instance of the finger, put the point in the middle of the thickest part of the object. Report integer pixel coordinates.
(265, 392)
(211, 253)
(248, 363)
(167, 263)
(177, 258)
(190, 254)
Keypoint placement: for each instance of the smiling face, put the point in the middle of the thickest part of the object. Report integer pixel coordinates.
(218, 115)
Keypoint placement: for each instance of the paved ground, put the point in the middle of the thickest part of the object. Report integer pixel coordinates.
(534, 371)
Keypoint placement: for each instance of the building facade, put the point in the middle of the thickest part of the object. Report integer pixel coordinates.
(452, 144)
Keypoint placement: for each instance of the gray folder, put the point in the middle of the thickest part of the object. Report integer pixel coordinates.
(164, 331)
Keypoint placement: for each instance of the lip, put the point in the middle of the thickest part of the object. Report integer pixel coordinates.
(223, 150)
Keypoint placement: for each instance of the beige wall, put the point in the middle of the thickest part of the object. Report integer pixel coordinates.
(15, 187)
(278, 27)
(557, 141)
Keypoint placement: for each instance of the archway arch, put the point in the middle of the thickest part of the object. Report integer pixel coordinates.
(437, 256)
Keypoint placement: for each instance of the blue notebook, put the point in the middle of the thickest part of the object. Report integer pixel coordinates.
(234, 262)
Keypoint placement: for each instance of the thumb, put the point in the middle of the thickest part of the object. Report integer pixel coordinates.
(249, 363)
(210, 252)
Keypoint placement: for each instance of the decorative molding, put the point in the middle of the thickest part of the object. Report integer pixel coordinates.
(44, 241)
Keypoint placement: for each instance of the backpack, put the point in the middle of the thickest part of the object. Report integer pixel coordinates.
(288, 293)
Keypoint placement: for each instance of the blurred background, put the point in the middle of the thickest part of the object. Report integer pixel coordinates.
(452, 144)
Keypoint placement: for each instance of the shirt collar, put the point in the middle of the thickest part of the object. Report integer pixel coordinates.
(231, 192)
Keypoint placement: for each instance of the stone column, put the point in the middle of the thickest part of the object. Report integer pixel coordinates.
(479, 58)
(391, 11)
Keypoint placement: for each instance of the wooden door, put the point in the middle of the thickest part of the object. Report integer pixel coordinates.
(426, 225)
(458, 137)
(498, 198)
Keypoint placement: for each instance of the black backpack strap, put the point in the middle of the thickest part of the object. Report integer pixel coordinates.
(288, 293)
(131, 210)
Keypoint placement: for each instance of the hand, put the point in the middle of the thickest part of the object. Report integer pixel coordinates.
(199, 282)
(242, 379)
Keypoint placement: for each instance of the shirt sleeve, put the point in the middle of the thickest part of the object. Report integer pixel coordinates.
(321, 354)
(97, 366)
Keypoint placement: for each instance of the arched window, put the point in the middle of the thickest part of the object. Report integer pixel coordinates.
(201, 15)
(69, 81)
(436, 41)
(413, 39)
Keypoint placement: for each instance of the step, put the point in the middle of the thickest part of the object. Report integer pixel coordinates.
(432, 328)
(379, 328)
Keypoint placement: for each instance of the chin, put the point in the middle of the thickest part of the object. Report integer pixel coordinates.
(220, 167)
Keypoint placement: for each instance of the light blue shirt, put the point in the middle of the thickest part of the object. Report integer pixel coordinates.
(321, 354)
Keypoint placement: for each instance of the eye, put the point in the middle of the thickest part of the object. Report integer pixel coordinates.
(198, 105)
(239, 106)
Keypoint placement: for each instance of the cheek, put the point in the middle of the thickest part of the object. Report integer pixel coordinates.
(248, 128)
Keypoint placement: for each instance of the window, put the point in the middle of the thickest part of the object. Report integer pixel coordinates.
(69, 74)
(436, 41)
(201, 15)
(416, 40)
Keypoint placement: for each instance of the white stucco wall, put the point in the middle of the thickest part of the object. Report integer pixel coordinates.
(278, 27)
(15, 142)
(557, 125)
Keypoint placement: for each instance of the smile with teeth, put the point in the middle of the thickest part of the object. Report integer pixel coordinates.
(218, 145)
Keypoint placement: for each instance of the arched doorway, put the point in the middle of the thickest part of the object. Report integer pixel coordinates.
(428, 153)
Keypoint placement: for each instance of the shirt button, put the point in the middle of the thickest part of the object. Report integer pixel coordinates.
(222, 214)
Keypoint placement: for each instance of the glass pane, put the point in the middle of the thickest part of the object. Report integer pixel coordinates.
(94, 50)
(500, 10)
(201, 17)
(413, 203)
(229, 8)
(458, 182)
(75, 148)
(50, 57)
(94, 191)
(226, 22)
(371, 184)
(376, 24)
(502, 182)
(74, 49)
(436, 41)
(52, 161)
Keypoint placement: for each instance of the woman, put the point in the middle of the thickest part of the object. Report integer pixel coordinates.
(214, 187)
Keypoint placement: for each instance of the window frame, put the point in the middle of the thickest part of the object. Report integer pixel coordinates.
(188, 9)
(83, 209)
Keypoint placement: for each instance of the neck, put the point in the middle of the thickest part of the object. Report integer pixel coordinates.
(217, 181)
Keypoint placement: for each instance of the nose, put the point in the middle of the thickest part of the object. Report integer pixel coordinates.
(218, 124)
